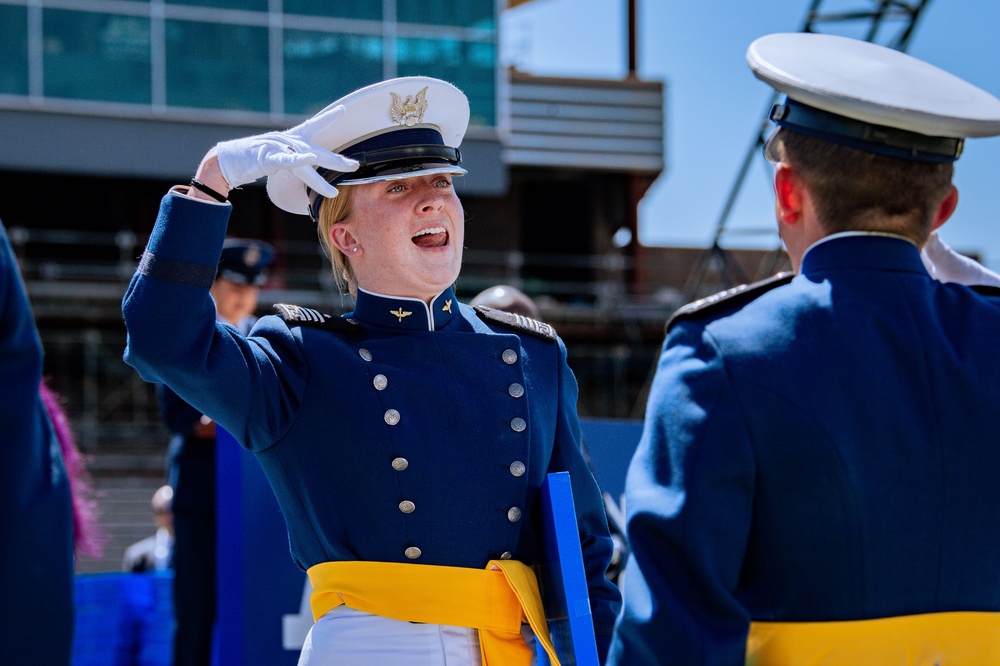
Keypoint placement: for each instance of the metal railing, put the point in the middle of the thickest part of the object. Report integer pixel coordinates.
(67, 268)
(76, 280)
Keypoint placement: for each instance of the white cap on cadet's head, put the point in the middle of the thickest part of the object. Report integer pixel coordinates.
(400, 128)
(871, 97)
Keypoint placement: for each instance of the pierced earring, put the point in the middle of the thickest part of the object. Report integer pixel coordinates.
(354, 249)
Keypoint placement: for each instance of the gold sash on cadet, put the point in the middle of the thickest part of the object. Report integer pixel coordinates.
(494, 600)
(933, 639)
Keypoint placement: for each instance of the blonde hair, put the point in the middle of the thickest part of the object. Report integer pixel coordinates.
(332, 211)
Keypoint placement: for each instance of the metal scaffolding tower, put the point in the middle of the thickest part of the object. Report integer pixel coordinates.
(888, 22)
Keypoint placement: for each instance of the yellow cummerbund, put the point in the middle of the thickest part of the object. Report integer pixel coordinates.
(494, 600)
(933, 639)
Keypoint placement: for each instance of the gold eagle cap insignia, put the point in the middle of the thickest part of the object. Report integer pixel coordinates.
(409, 110)
(252, 256)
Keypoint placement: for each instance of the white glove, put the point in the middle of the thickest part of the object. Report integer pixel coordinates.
(946, 265)
(245, 160)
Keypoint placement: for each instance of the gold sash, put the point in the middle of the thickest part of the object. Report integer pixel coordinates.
(933, 639)
(495, 600)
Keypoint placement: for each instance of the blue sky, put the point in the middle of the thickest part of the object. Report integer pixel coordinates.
(714, 104)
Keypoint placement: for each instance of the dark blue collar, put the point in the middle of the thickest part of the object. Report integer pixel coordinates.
(403, 313)
(862, 250)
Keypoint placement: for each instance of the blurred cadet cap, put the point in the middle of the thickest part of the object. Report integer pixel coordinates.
(507, 298)
(871, 97)
(400, 128)
(245, 261)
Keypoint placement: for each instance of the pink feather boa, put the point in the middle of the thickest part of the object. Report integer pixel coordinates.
(88, 538)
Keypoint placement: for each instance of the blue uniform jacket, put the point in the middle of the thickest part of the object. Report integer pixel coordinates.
(828, 451)
(415, 435)
(36, 524)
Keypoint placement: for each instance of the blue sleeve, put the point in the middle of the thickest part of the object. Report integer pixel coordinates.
(688, 499)
(20, 351)
(251, 386)
(36, 524)
(595, 538)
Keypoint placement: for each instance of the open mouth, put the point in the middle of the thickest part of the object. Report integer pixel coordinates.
(431, 237)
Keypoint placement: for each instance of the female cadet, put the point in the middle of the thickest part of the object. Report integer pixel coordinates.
(405, 442)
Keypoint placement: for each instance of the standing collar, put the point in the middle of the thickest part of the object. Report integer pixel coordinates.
(862, 249)
(405, 313)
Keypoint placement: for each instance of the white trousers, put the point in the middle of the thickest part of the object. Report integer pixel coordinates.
(348, 636)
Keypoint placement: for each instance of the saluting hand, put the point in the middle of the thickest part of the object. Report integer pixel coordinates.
(245, 160)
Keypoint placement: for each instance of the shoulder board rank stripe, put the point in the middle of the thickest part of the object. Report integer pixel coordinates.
(729, 298)
(296, 314)
(519, 322)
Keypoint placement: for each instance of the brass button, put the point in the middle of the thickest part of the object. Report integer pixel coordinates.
(380, 382)
(399, 464)
(517, 424)
(509, 356)
(506, 555)
(515, 390)
(365, 354)
(412, 552)
(406, 506)
(517, 468)
(513, 514)
(391, 416)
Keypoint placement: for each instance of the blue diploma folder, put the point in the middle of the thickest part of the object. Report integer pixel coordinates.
(562, 579)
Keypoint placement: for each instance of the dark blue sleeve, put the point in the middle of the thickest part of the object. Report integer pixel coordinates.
(251, 386)
(688, 499)
(36, 528)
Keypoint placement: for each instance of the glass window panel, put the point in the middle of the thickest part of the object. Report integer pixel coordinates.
(351, 9)
(463, 13)
(469, 65)
(216, 66)
(13, 50)
(255, 5)
(321, 67)
(89, 55)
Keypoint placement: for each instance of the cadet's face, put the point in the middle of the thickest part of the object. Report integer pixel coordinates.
(234, 301)
(409, 234)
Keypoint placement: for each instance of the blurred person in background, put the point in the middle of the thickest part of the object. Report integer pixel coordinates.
(507, 298)
(154, 553)
(241, 271)
(36, 527)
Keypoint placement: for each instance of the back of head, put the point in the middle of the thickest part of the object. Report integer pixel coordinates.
(162, 500)
(507, 298)
(857, 190)
(873, 132)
